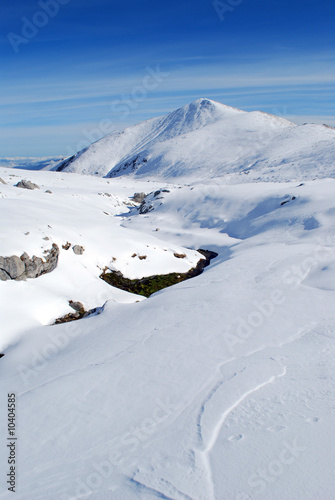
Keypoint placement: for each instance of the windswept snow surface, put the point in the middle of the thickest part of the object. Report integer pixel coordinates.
(220, 387)
(205, 140)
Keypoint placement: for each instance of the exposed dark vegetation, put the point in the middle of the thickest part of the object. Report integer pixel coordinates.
(151, 284)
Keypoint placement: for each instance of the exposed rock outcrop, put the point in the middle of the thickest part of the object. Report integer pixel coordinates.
(79, 314)
(77, 306)
(13, 266)
(21, 268)
(139, 197)
(78, 249)
(145, 208)
(27, 185)
(4, 276)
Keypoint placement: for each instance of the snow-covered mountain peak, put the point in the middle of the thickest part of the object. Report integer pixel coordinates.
(194, 116)
(207, 139)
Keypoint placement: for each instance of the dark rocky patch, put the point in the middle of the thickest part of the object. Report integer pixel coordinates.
(65, 163)
(149, 285)
(145, 208)
(79, 314)
(179, 255)
(288, 200)
(139, 197)
(27, 185)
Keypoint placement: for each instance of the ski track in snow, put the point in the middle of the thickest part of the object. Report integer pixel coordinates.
(208, 447)
(166, 484)
(205, 449)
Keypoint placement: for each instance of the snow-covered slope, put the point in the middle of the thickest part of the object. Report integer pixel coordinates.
(220, 387)
(206, 139)
(84, 212)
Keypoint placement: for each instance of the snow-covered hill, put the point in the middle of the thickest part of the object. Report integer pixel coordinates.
(218, 388)
(206, 139)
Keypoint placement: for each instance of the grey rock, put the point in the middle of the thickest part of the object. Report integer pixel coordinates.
(34, 267)
(23, 277)
(77, 306)
(25, 267)
(139, 197)
(4, 276)
(2, 181)
(27, 185)
(48, 191)
(13, 266)
(25, 257)
(51, 259)
(78, 249)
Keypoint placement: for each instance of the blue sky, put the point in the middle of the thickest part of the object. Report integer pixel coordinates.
(73, 70)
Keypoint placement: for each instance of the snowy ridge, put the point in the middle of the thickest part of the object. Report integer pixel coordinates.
(207, 139)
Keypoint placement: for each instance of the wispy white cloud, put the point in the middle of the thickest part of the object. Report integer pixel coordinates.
(54, 110)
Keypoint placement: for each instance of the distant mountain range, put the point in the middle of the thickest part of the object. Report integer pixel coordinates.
(30, 163)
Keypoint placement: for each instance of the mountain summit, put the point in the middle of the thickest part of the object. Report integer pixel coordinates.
(207, 139)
